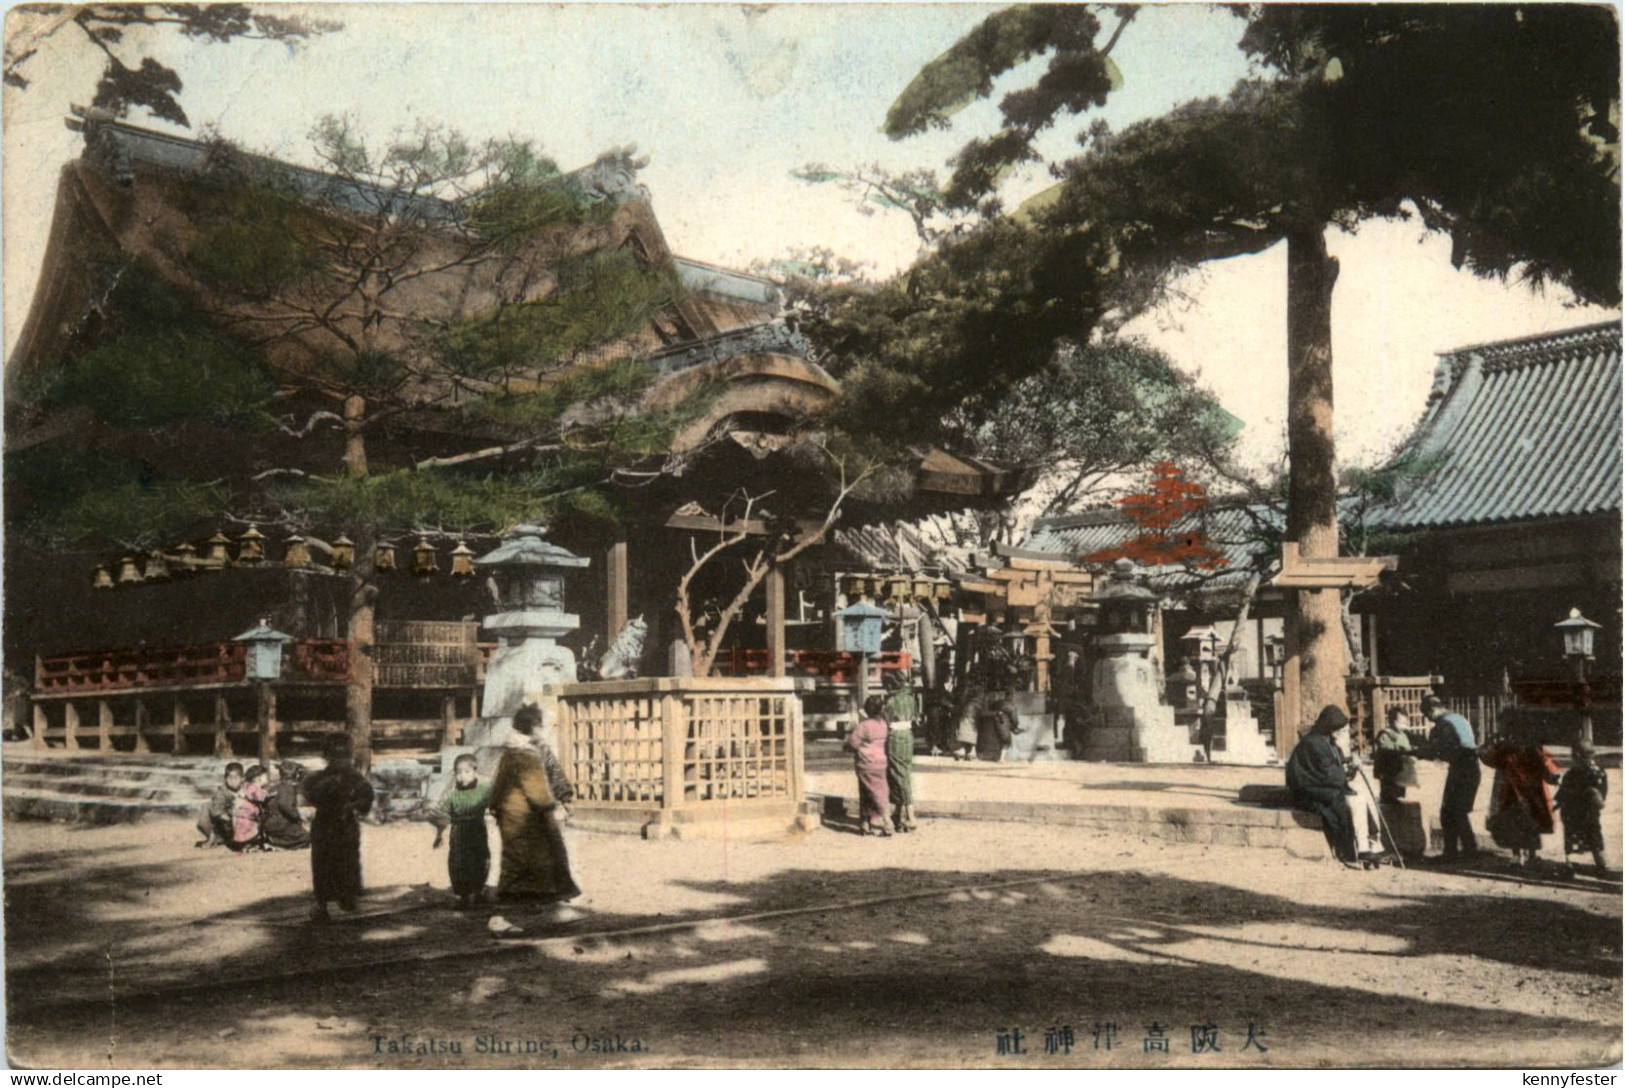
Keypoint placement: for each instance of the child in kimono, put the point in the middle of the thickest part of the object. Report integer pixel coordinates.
(1580, 798)
(462, 807)
(249, 811)
(215, 822)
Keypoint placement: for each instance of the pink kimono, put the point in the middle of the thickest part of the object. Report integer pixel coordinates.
(868, 744)
(246, 814)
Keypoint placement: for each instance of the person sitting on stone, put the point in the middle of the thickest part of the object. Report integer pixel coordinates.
(1320, 779)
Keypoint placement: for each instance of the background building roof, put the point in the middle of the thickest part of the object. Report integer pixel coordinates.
(1520, 429)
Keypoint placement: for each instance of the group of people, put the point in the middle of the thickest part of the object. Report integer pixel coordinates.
(1322, 778)
(528, 795)
(882, 747)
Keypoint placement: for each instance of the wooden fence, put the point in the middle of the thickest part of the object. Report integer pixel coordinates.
(677, 753)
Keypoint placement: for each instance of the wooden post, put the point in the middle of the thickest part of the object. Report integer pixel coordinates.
(673, 745)
(41, 721)
(615, 571)
(775, 622)
(222, 717)
(1372, 660)
(70, 724)
(265, 719)
(1290, 723)
(178, 719)
(142, 721)
(448, 715)
(104, 725)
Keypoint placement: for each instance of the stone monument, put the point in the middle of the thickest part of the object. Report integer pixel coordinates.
(1127, 721)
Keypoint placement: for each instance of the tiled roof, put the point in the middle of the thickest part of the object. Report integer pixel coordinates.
(1520, 429)
(945, 542)
(1233, 529)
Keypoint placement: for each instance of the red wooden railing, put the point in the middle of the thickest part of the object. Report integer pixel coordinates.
(313, 659)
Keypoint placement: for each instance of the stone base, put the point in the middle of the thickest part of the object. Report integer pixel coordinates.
(1115, 734)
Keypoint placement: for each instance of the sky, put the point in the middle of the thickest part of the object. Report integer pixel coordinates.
(726, 101)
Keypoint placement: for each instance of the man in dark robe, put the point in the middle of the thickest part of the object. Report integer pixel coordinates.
(342, 795)
(1319, 777)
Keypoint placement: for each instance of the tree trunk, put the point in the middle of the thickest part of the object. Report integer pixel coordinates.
(355, 439)
(1317, 615)
(358, 692)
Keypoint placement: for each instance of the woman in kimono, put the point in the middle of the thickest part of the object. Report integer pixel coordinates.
(248, 812)
(342, 795)
(1521, 801)
(902, 711)
(867, 743)
(526, 800)
(284, 825)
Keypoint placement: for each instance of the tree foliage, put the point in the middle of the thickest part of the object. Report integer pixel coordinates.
(1162, 514)
(132, 81)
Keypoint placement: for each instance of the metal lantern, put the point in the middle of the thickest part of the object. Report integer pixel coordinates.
(423, 558)
(853, 586)
(264, 658)
(383, 556)
(944, 590)
(219, 545)
(343, 554)
(922, 589)
(297, 554)
(128, 573)
(102, 579)
(896, 589)
(185, 560)
(251, 546)
(861, 626)
(1579, 635)
(462, 561)
(157, 569)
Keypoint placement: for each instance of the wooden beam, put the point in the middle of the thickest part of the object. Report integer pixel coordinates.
(616, 573)
(775, 621)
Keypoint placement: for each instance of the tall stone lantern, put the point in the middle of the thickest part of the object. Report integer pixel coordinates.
(1128, 721)
(529, 574)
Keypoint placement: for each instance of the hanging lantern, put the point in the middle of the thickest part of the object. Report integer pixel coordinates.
(297, 554)
(423, 559)
(343, 557)
(251, 546)
(185, 560)
(872, 586)
(218, 545)
(383, 557)
(128, 574)
(852, 586)
(157, 569)
(102, 579)
(944, 590)
(896, 588)
(922, 589)
(462, 561)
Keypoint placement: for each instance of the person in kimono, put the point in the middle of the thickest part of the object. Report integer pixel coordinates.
(342, 796)
(1452, 742)
(215, 820)
(965, 728)
(248, 814)
(996, 724)
(284, 824)
(902, 711)
(1320, 779)
(1521, 801)
(526, 800)
(867, 743)
(463, 807)
(1580, 797)
(1393, 766)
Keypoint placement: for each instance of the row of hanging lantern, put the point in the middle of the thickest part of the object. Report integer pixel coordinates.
(161, 566)
(896, 587)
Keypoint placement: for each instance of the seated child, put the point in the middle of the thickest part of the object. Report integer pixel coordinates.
(1580, 798)
(214, 821)
(249, 812)
(463, 807)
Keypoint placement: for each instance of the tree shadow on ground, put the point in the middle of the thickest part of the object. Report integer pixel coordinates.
(932, 979)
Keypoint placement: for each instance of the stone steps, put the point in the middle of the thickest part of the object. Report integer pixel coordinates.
(33, 803)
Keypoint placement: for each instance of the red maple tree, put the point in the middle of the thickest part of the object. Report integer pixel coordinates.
(1159, 512)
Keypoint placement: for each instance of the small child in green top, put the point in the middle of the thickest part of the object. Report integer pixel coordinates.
(462, 807)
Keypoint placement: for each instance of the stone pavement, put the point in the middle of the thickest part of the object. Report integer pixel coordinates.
(1190, 803)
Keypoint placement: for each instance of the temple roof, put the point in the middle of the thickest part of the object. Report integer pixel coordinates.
(1517, 430)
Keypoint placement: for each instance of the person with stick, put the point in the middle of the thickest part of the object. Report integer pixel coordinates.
(1321, 781)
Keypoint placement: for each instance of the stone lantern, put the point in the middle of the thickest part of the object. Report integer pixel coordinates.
(1200, 645)
(264, 652)
(1128, 722)
(529, 573)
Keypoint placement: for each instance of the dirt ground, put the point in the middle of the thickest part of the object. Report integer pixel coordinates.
(128, 948)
